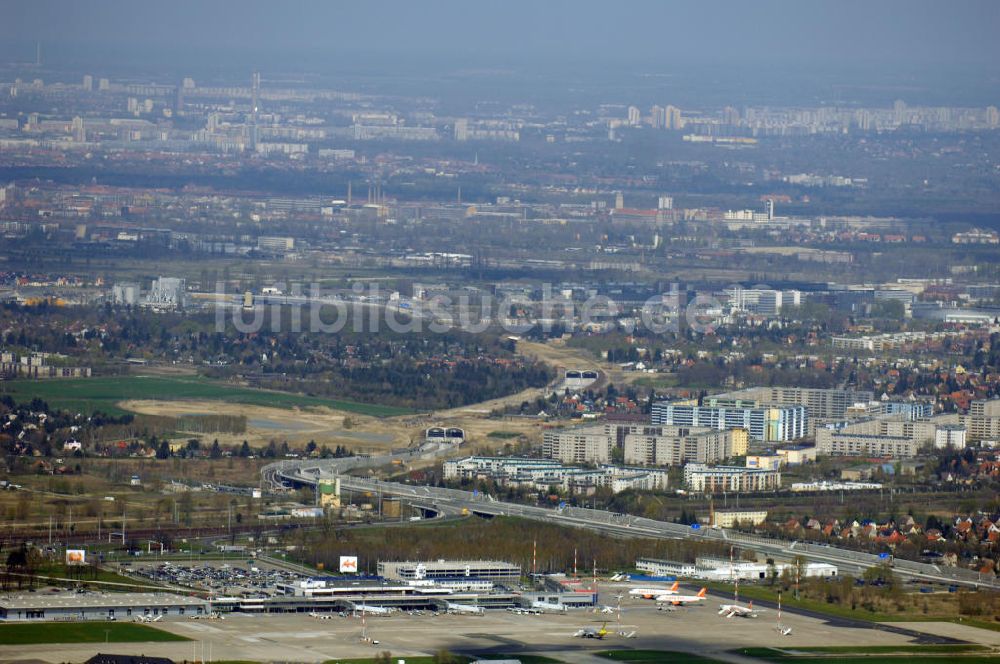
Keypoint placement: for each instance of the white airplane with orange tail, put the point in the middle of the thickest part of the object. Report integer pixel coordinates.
(682, 600)
(739, 611)
(651, 593)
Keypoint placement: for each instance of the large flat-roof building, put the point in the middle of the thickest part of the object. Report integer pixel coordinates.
(644, 443)
(822, 403)
(494, 570)
(477, 466)
(894, 436)
(951, 436)
(846, 443)
(375, 590)
(675, 446)
(590, 444)
(795, 455)
(276, 245)
(714, 569)
(731, 518)
(913, 410)
(985, 408)
(762, 301)
(167, 293)
(97, 606)
(764, 423)
(701, 478)
(543, 473)
(983, 420)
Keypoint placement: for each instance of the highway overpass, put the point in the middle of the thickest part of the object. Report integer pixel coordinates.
(451, 501)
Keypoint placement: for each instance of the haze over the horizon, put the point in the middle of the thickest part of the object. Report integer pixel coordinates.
(846, 33)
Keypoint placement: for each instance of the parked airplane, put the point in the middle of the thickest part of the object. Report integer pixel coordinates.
(466, 608)
(320, 616)
(619, 577)
(730, 610)
(148, 619)
(682, 600)
(591, 633)
(650, 593)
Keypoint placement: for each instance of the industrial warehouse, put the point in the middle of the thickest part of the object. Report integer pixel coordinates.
(98, 606)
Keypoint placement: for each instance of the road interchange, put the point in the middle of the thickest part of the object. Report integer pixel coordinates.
(447, 501)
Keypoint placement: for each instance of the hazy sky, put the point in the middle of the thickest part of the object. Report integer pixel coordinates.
(801, 32)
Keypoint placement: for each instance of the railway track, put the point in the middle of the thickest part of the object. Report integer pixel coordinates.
(41, 536)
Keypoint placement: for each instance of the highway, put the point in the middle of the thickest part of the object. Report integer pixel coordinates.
(454, 501)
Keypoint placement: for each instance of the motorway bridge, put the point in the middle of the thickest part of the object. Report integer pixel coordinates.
(455, 501)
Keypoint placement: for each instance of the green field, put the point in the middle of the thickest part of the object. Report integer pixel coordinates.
(771, 594)
(87, 575)
(917, 654)
(654, 656)
(748, 592)
(981, 623)
(909, 658)
(870, 659)
(82, 632)
(89, 395)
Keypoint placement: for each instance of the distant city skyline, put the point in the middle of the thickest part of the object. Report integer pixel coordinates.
(838, 34)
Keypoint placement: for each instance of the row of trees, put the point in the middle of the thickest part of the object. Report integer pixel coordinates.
(422, 370)
(539, 546)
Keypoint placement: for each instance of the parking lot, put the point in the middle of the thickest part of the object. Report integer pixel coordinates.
(256, 579)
